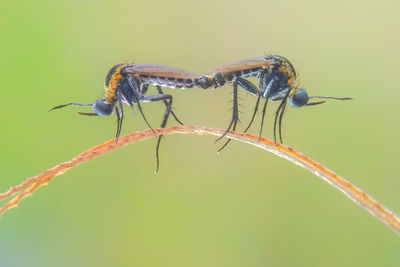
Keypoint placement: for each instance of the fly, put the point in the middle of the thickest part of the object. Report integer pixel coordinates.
(128, 83)
(277, 82)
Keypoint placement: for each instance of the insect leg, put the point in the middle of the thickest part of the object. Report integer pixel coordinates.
(279, 113)
(118, 123)
(168, 100)
(280, 121)
(120, 116)
(262, 118)
(137, 100)
(144, 89)
(235, 116)
(266, 90)
(166, 103)
(254, 113)
(252, 89)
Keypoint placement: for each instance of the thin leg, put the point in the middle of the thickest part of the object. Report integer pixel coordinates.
(144, 117)
(143, 90)
(118, 124)
(280, 114)
(121, 112)
(280, 121)
(248, 86)
(254, 113)
(235, 116)
(252, 89)
(166, 103)
(262, 118)
(229, 140)
(137, 100)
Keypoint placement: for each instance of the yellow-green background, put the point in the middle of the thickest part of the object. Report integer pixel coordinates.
(244, 207)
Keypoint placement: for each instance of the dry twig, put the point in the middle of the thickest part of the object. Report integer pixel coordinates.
(28, 187)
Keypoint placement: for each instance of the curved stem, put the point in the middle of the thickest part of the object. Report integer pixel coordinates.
(28, 187)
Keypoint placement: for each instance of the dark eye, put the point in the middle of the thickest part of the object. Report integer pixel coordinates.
(102, 108)
(299, 99)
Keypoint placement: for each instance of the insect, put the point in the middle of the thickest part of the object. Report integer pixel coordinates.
(277, 82)
(128, 83)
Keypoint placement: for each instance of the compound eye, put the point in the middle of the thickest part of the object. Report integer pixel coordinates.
(300, 99)
(102, 108)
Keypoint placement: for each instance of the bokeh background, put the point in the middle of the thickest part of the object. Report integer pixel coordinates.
(244, 207)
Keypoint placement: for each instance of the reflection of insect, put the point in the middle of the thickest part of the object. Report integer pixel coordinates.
(277, 82)
(129, 83)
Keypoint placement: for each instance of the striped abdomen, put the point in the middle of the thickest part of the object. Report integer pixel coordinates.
(163, 75)
(171, 82)
(222, 78)
(227, 73)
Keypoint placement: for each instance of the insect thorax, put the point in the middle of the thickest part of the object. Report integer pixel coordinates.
(112, 81)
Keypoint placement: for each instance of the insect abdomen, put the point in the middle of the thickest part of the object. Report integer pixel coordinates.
(221, 79)
(171, 82)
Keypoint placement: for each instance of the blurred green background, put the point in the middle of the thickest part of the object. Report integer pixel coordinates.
(244, 207)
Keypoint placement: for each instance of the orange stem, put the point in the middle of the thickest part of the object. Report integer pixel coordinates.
(28, 187)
